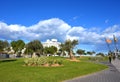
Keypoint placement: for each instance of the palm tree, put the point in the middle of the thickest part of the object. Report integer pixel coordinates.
(69, 46)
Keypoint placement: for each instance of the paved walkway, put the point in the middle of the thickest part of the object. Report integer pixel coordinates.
(109, 75)
(116, 63)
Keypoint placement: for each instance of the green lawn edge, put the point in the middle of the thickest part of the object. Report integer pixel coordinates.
(14, 71)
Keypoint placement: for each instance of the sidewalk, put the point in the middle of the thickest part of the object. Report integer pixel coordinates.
(116, 63)
(109, 75)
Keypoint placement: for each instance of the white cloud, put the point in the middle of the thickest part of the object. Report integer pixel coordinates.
(46, 29)
(57, 28)
(84, 35)
(112, 29)
(51, 28)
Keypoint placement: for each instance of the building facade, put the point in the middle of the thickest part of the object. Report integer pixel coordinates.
(52, 42)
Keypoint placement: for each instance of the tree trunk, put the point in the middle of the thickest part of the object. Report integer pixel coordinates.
(71, 55)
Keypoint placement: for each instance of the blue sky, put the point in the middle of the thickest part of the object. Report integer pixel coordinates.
(89, 21)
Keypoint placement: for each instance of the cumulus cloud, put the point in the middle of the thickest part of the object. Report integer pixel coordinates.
(57, 28)
(46, 29)
(84, 35)
(51, 28)
(94, 38)
(112, 29)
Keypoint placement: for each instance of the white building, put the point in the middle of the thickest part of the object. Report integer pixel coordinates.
(11, 50)
(52, 42)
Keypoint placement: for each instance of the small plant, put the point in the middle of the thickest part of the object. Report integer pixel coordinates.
(35, 61)
(51, 62)
(41, 61)
(60, 62)
(26, 62)
(98, 59)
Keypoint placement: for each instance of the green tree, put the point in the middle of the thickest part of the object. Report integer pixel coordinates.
(28, 51)
(62, 49)
(13, 44)
(18, 46)
(35, 46)
(93, 52)
(4, 45)
(50, 50)
(53, 49)
(90, 53)
(80, 51)
(46, 50)
(100, 54)
(69, 46)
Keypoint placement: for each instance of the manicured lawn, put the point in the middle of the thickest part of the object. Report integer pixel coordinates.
(14, 71)
(93, 58)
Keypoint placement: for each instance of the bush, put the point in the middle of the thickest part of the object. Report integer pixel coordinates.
(96, 59)
(42, 61)
(60, 62)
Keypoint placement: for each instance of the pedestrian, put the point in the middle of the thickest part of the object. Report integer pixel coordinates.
(114, 57)
(110, 57)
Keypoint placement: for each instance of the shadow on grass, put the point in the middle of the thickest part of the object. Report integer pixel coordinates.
(7, 60)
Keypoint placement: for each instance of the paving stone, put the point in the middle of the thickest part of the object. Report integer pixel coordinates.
(109, 75)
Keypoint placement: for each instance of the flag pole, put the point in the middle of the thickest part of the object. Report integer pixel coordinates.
(107, 45)
(115, 42)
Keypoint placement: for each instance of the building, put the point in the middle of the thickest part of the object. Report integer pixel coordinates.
(52, 42)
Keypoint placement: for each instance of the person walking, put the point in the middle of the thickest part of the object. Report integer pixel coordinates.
(114, 56)
(110, 57)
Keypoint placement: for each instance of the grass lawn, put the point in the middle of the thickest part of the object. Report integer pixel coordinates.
(14, 71)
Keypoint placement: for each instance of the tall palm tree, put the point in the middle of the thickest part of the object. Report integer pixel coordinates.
(69, 46)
